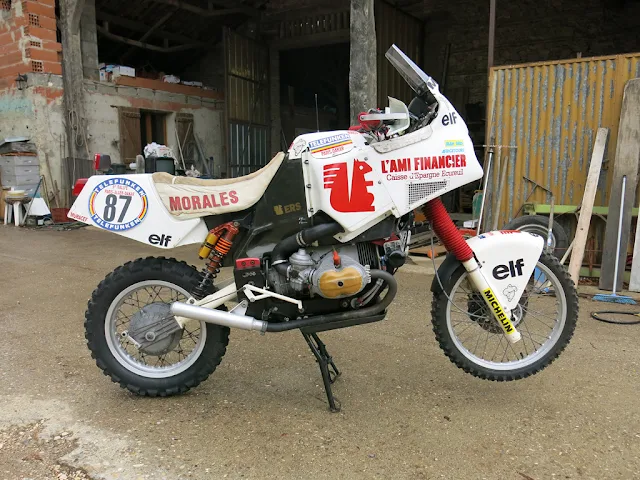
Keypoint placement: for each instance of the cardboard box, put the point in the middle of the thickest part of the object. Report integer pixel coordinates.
(125, 71)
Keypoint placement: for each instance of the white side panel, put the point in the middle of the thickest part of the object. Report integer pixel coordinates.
(358, 181)
(507, 260)
(129, 205)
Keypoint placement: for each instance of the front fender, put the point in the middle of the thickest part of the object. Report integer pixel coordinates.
(506, 258)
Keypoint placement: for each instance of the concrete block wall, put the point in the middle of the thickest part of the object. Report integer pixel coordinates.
(28, 41)
(89, 41)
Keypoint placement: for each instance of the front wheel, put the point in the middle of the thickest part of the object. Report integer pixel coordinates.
(472, 339)
(137, 294)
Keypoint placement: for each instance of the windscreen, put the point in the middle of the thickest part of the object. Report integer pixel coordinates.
(419, 81)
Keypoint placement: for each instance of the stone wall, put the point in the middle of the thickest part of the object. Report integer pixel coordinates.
(37, 113)
(102, 101)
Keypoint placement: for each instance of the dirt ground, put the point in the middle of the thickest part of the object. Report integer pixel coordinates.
(408, 413)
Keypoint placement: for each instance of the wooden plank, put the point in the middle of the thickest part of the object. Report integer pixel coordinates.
(586, 210)
(634, 281)
(627, 155)
(545, 208)
(168, 87)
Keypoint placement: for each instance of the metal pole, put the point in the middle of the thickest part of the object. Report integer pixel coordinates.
(615, 270)
(484, 188)
(492, 32)
(317, 119)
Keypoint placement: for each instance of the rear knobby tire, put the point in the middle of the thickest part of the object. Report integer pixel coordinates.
(148, 269)
(539, 224)
(443, 335)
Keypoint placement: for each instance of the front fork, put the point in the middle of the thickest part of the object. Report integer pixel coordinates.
(455, 243)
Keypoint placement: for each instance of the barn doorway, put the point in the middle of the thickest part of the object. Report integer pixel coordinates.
(305, 73)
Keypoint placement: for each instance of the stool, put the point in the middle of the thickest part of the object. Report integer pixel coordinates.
(13, 205)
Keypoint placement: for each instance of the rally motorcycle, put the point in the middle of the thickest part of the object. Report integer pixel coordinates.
(314, 240)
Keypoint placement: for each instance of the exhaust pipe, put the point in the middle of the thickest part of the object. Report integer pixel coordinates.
(183, 311)
(218, 317)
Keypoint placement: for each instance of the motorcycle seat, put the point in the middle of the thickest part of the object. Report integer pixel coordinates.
(187, 197)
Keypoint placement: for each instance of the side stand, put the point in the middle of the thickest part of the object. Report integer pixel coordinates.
(328, 369)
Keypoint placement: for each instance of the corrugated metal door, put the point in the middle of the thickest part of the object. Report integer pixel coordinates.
(551, 112)
(246, 103)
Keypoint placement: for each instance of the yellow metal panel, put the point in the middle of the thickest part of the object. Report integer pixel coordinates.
(551, 111)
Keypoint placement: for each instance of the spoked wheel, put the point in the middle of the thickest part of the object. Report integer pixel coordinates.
(143, 304)
(134, 297)
(545, 317)
(539, 225)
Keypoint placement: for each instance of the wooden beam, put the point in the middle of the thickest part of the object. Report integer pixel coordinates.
(206, 12)
(313, 40)
(492, 32)
(147, 46)
(627, 155)
(143, 28)
(634, 280)
(590, 189)
(149, 32)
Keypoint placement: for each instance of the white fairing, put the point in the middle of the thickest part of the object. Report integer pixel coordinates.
(129, 205)
(507, 260)
(358, 181)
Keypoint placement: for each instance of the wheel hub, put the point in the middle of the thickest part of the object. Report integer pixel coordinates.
(146, 324)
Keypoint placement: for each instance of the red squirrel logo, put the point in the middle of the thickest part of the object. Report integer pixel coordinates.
(359, 199)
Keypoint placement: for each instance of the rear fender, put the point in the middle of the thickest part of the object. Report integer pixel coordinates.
(134, 210)
(506, 258)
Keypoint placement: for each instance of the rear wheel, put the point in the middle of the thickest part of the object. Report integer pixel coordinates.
(472, 339)
(138, 294)
(539, 225)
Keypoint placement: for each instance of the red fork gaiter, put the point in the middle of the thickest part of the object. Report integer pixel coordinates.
(447, 232)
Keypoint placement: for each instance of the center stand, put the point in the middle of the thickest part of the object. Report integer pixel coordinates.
(328, 369)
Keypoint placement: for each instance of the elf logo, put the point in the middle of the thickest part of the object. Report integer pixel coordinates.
(160, 240)
(449, 119)
(512, 269)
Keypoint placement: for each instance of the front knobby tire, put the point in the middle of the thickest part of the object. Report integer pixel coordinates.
(140, 379)
(474, 356)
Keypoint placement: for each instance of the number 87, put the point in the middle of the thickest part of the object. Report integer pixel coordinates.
(110, 208)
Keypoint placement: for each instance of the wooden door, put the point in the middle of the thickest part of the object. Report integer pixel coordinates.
(130, 141)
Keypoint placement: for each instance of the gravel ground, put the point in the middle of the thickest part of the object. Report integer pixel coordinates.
(408, 413)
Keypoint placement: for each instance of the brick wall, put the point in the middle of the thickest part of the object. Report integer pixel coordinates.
(28, 40)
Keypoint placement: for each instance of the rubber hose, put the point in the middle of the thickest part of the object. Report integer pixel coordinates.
(596, 316)
(283, 250)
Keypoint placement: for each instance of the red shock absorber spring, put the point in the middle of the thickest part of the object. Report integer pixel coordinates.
(222, 246)
(447, 232)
